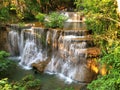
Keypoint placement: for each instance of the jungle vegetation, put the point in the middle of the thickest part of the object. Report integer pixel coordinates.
(104, 21)
(26, 10)
(101, 17)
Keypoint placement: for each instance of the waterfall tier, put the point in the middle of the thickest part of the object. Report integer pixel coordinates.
(70, 51)
(27, 43)
(70, 54)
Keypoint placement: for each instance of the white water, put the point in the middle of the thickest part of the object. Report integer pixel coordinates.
(68, 52)
(13, 38)
(30, 55)
(61, 69)
(69, 59)
(25, 43)
(64, 64)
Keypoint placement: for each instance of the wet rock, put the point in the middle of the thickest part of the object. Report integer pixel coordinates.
(93, 52)
(40, 66)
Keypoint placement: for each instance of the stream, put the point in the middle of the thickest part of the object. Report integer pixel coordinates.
(49, 81)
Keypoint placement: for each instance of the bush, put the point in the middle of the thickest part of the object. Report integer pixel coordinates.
(4, 14)
(111, 81)
(4, 85)
(5, 64)
(3, 55)
(30, 83)
(55, 20)
(40, 17)
(27, 83)
(70, 88)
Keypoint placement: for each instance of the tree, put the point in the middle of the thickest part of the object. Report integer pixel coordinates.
(102, 18)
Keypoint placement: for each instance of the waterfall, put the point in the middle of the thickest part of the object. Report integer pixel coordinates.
(26, 43)
(67, 49)
(14, 43)
(70, 57)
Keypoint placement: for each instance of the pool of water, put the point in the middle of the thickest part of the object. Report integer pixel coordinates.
(48, 81)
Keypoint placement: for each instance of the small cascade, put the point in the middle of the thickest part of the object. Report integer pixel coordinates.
(70, 58)
(14, 43)
(74, 21)
(27, 44)
(72, 16)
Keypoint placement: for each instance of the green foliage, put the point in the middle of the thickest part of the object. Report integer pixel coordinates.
(27, 83)
(4, 85)
(40, 17)
(55, 20)
(21, 24)
(12, 7)
(28, 78)
(70, 88)
(30, 83)
(3, 54)
(111, 81)
(4, 14)
(102, 19)
(28, 17)
(100, 14)
(33, 84)
(32, 6)
(26, 10)
(110, 45)
(5, 64)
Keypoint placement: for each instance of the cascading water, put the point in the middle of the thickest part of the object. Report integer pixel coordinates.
(67, 49)
(27, 43)
(69, 59)
(14, 43)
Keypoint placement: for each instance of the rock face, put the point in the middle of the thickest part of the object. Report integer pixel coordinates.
(4, 45)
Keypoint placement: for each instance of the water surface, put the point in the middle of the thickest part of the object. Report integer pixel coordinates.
(48, 81)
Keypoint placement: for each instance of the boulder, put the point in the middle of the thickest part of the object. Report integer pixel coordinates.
(40, 66)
